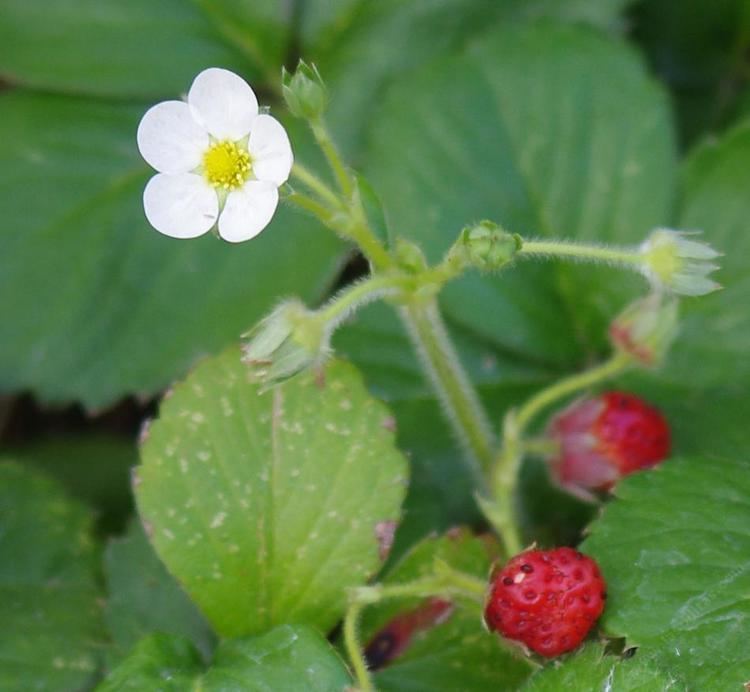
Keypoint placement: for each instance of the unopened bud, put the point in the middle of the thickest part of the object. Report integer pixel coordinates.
(288, 341)
(305, 93)
(674, 262)
(409, 256)
(486, 246)
(646, 328)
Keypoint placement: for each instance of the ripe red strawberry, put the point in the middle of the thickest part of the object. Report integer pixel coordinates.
(603, 438)
(547, 599)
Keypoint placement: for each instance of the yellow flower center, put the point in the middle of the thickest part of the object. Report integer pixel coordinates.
(226, 165)
(664, 261)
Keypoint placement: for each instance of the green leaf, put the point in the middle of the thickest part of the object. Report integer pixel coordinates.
(374, 41)
(286, 658)
(382, 40)
(93, 469)
(49, 598)
(324, 22)
(591, 669)
(742, 110)
(674, 548)
(322, 19)
(715, 329)
(267, 506)
(441, 492)
(260, 30)
(455, 653)
(605, 14)
(110, 48)
(159, 661)
(548, 130)
(94, 303)
(143, 597)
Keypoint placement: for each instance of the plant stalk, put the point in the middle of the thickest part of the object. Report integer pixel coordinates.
(323, 138)
(459, 400)
(595, 253)
(507, 466)
(353, 648)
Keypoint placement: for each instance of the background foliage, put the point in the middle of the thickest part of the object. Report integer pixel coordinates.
(584, 119)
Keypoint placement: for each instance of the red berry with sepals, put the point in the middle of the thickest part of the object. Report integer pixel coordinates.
(547, 599)
(601, 439)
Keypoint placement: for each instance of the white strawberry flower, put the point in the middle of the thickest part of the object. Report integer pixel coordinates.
(674, 262)
(217, 159)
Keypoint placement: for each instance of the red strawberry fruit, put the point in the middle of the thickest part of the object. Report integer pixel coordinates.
(603, 438)
(547, 599)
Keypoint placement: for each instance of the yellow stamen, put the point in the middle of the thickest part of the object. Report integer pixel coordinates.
(226, 165)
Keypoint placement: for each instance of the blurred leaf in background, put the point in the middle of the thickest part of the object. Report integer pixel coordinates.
(50, 596)
(700, 51)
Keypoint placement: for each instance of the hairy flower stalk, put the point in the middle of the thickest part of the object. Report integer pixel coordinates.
(293, 339)
(668, 259)
(500, 509)
(452, 386)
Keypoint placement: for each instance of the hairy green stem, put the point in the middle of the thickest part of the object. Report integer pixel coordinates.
(316, 208)
(344, 216)
(360, 293)
(323, 138)
(618, 362)
(445, 581)
(458, 398)
(501, 511)
(354, 649)
(308, 178)
(359, 230)
(595, 253)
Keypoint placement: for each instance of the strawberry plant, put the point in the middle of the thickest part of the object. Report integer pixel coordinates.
(370, 345)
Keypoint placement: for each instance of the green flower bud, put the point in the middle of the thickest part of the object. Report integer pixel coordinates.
(305, 93)
(646, 328)
(486, 246)
(290, 340)
(673, 262)
(409, 256)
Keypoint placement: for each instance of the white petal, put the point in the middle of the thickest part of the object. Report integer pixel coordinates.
(170, 139)
(223, 103)
(248, 211)
(181, 206)
(270, 150)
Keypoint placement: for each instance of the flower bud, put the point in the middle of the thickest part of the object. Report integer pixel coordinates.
(486, 246)
(680, 265)
(305, 93)
(601, 439)
(288, 341)
(646, 328)
(409, 256)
